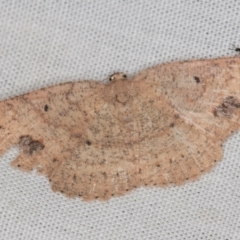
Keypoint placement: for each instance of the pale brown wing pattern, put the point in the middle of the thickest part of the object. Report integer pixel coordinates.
(206, 96)
(94, 140)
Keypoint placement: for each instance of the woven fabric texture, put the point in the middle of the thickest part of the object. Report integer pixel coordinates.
(43, 43)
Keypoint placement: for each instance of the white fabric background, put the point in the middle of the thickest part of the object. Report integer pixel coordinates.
(47, 42)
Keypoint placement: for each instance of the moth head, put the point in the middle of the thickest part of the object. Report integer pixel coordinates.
(117, 76)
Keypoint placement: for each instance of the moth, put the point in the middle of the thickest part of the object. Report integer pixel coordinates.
(94, 140)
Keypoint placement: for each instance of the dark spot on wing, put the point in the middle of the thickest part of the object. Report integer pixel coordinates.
(46, 108)
(29, 145)
(197, 79)
(89, 143)
(35, 146)
(226, 108)
(231, 102)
